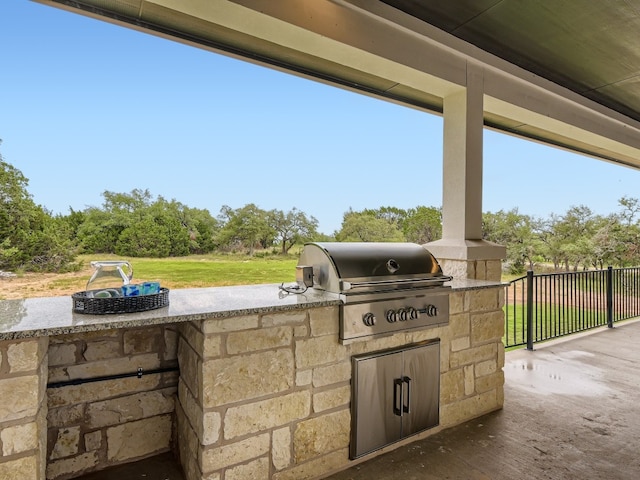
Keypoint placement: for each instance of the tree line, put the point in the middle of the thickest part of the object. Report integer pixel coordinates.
(136, 224)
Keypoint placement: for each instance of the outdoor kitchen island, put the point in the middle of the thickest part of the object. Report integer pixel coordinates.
(240, 382)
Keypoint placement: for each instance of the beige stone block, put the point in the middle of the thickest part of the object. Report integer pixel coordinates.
(340, 372)
(25, 356)
(456, 303)
(233, 324)
(21, 468)
(284, 318)
(101, 368)
(62, 354)
(212, 423)
(93, 441)
(501, 352)
(67, 443)
(303, 377)
(190, 407)
(19, 438)
(494, 270)
(469, 380)
(300, 331)
(468, 408)
(445, 354)
(69, 467)
(130, 408)
(281, 448)
(244, 377)
(483, 300)
(459, 325)
(336, 397)
(188, 445)
(490, 382)
(235, 453)
(321, 435)
(212, 346)
(20, 397)
(318, 351)
(485, 368)
(102, 350)
(460, 343)
(316, 468)
(427, 334)
(473, 355)
(375, 344)
(96, 391)
(142, 340)
(324, 321)
(190, 368)
(190, 333)
(266, 414)
(85, 336)
(263, 339)
(139, 439)
(480, 270)
(255, 470)
(451, 386)
(487, 327)
(171, 337)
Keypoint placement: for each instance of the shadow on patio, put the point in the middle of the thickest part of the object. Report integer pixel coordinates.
(571, 411)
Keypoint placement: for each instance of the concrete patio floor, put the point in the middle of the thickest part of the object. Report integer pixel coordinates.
(571, 411)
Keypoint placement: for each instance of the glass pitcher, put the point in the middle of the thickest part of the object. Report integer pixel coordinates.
(109, 276)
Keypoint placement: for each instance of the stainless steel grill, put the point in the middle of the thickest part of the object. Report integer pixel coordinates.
(385, 287)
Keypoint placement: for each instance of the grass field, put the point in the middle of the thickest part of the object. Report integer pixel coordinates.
(194, 271)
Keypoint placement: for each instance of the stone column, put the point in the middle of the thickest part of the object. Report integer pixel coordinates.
(461, 251)
(23, 408)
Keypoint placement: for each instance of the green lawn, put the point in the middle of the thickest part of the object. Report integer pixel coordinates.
(549, 321)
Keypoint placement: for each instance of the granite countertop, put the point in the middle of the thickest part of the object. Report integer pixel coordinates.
(48, 316)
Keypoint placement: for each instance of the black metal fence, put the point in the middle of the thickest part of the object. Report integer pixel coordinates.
(539, 307)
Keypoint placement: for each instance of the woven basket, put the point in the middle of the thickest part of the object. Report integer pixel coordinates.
(100, 306)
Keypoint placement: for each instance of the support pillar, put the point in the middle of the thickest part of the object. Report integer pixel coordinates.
(462, 252)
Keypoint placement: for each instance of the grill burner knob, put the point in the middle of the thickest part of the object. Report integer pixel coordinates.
(392, 316)
(369, 319)
(432, 311)
(413, 313)
(404, 314)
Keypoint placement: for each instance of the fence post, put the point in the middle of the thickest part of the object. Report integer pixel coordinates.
(610, 297)
(529, 309)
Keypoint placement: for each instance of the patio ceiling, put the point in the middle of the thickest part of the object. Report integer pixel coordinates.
(563, 73)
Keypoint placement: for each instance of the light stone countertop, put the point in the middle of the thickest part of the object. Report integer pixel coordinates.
(49, 316)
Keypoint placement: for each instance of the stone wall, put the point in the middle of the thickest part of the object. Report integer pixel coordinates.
(98, 424)
(268, 396)
(23, 409)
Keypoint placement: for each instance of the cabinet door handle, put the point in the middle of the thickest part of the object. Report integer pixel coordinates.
(407, 406)
(398, 394)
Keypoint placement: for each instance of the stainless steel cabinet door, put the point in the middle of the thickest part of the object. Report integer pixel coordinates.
(421, 384)
(395, 394)
(374, 421)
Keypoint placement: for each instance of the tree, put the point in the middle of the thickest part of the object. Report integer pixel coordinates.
(518, 233)
(292, 227)
(30, 238)
(245, 227)
(366, 227)
(422, 224)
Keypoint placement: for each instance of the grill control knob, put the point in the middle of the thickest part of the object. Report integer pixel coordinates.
(432, 311)
(403, 314)
(392, 316)
(369, 319)
(413, 313)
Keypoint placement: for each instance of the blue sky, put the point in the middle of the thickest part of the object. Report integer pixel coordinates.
(86, 106)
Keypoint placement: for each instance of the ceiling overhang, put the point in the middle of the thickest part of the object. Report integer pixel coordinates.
(373, 48)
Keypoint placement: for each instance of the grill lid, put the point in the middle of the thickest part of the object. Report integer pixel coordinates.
(368, 266)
